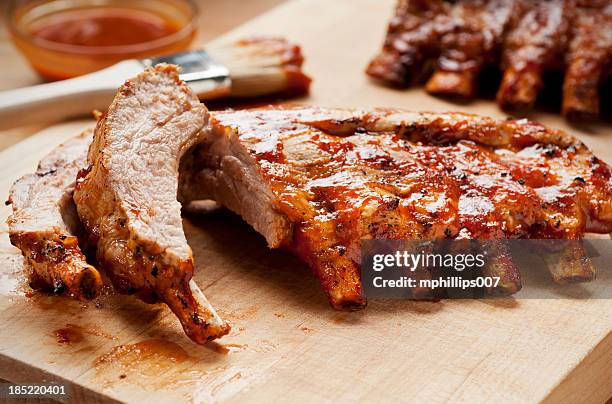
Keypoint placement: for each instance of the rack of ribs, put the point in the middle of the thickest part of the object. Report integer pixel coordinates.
(45, 226)
(319, 181)
(526, 39)
(126, 198)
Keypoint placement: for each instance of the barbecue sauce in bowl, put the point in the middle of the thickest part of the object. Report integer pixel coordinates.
(65, 39)
(107, 26)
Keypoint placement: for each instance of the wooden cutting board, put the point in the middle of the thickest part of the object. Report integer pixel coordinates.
(287, 344)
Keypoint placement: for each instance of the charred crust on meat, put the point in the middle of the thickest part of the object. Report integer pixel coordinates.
(59, 288)
(46, 173)
(182, 300)
(195, 318)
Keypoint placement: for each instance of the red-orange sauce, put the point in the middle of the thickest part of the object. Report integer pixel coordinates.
(76, 41)
(69, 334)
(103, 26)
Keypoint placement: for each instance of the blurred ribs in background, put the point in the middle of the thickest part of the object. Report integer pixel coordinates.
(527, 40)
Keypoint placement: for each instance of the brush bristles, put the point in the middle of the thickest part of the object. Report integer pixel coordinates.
(263, 66)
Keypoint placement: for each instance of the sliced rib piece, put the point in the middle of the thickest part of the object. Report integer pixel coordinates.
(127, 197)
(44, 224)
(318, 181)
(473, 40)
(589, 60)
(412, 40)
(533, 47)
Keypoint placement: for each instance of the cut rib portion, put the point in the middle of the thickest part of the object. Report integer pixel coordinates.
(318, 181)
(44, 224)
(475, 34)
(412, 40)
(127, 197)
(535, 46)
(589, 54)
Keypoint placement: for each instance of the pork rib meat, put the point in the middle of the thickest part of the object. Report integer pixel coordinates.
(127, 200)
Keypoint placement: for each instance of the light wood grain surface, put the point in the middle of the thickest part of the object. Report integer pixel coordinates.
(287, 345)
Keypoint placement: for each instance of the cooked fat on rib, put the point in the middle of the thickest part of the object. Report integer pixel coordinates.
(127, 198)
(44, 224)
(318, 181)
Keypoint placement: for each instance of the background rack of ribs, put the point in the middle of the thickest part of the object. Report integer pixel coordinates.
(314, 181)
(526, 39)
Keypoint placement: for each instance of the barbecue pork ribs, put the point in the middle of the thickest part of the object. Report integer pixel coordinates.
(525, 38)
(318, 181)
(126, 198)
(45, 226)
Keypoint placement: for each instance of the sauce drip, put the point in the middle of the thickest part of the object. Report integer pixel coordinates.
(103, 26)
(69, 334)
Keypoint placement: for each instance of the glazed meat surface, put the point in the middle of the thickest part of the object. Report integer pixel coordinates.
(588, 60)
(45, 226)
(535, 45)
(525, 39)
(411, 42)
(470, 35)
(126, 198)
(318, 181)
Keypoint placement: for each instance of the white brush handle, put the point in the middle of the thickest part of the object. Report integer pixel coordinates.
(66, 98)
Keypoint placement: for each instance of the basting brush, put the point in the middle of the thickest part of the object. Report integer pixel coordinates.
(246, 68)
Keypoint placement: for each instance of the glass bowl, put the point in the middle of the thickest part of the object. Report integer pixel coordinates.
(66, 58)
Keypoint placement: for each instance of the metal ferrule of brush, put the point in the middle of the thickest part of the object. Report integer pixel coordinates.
(206, 77)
